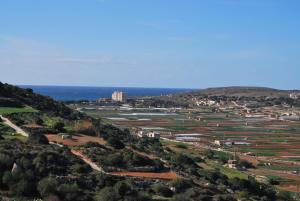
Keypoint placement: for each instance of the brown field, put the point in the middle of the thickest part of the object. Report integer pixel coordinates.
(76, 140)
(150, 175)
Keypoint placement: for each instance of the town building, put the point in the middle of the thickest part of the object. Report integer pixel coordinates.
(119, 96)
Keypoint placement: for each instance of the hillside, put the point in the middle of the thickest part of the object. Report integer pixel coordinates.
(13, 96)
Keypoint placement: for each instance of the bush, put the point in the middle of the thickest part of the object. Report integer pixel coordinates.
(162, 190)
(245, 164)
(181, 185)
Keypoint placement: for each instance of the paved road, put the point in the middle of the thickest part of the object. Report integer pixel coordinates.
(13, 126)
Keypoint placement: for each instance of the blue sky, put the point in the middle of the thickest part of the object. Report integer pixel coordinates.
(151, 43)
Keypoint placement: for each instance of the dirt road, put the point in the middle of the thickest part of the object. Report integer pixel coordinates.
(88, 161)
(13, 126)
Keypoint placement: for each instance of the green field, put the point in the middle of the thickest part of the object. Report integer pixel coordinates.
(10, 110)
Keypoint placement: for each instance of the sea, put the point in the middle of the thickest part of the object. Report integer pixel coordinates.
(69, 93)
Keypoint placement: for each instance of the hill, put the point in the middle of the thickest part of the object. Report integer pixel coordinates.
(240, 91)
(13, 96)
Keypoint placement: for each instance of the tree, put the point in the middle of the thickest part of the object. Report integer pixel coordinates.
(47, 186)
(69, 192)
(39, 121)
(180, 185)
(162, 190)
(37, 138)
(246, 164)
(115, 143)
(106, 194)
(60, 126)
(122, 188)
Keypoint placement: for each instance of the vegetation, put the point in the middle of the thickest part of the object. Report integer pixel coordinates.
(37, 169)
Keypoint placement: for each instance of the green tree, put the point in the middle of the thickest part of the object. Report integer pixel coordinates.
(37, 138)
(107, 193)
(47, 186)
(162, 190)
(115, 143)
(60, 126)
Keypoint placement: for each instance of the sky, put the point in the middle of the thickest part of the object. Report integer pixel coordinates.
(151, 43)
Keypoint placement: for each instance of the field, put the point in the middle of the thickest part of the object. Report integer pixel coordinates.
(274, 144)
(76, 140)
(10, 110)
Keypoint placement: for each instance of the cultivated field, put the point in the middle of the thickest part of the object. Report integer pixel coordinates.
(274, 144)
(76, 140)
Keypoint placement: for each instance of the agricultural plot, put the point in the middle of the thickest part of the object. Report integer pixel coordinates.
(10, 110)
(269, 140)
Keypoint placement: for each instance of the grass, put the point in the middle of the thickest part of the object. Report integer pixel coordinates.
(15, 136)
(280, 179)
(10, 110)
(177, 144)
(159, 198)
(8, 133)
(230, 173)
(286, 168)
(263, 152)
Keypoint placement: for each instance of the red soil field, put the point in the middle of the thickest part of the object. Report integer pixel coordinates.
(76, 140)
(150, 175)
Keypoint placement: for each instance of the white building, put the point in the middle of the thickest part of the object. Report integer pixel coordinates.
(151, 134)
(154, 135)
(119, 96)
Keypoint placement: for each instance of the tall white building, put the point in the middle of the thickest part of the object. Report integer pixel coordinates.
(119, 96)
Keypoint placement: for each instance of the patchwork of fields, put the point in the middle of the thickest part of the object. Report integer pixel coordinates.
(274, 144)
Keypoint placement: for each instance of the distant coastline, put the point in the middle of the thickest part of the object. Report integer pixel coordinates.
(66, 93)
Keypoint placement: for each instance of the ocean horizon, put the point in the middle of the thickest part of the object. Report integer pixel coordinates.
(91, 93)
